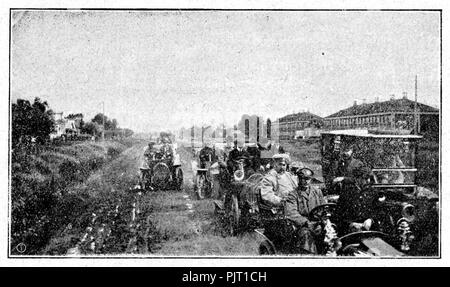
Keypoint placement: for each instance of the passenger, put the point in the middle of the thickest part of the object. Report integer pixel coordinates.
(356, 202)
(277, 184)
(348, 163)
(166, 148)
(299, 204)
(274, 188)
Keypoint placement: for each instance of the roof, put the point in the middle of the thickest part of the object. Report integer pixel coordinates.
(396, 105)
(303, 116)
(365, 133)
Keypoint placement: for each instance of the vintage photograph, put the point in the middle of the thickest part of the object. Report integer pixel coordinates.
(225, 133)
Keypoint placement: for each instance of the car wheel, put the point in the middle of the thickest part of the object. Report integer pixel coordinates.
(200, 188)
(178, 178)
(234, 216)
(266, 248)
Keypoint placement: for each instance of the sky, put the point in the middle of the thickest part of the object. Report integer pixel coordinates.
(163, 70)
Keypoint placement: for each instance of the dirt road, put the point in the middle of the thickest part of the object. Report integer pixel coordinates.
(168, 222)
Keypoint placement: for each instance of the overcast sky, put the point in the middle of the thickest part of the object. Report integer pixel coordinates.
(164, 70)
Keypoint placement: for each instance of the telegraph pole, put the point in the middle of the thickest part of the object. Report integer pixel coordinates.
(416, 128)
(103, 121)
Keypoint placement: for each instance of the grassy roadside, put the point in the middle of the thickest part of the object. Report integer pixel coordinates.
(42, 184)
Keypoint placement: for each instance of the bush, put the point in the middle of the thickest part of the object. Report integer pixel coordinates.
(40, 204)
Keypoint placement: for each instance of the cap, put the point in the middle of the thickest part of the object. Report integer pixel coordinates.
(297, 165)
(281, 157)
(305, 172)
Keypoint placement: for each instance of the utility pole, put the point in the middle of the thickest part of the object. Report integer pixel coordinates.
(416, 128)
(103, 121)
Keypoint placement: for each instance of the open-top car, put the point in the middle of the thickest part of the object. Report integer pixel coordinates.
(165, 165)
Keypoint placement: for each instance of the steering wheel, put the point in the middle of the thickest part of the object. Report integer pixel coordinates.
(320, 211)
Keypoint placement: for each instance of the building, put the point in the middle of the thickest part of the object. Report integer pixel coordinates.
(66, 125)
(290, 125)
(391, 115)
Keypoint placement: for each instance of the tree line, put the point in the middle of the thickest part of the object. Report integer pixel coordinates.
(35, 122)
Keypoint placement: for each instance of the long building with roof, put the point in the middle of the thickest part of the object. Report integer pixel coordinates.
(390, 115)
(289, 125)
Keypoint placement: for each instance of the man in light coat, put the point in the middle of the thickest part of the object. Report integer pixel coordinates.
(277, 184)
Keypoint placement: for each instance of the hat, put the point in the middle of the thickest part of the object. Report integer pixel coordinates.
(297, 165)
(305, 172)
(281, 157)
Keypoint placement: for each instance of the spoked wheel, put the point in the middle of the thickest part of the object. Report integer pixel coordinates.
(201, 186)
(178, 178)
(235, 215)
(266, 248)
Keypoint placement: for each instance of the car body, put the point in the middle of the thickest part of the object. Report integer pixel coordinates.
(392, 160)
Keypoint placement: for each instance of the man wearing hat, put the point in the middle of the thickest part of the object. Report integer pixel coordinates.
(348, 163)
(237, 153)
(299, 204)
(355, 207)
(277, 183)
(147, 164)
(274, 188)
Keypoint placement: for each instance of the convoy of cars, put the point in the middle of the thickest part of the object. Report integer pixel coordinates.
(392, 160)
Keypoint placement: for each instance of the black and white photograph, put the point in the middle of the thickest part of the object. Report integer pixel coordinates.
(224, 133)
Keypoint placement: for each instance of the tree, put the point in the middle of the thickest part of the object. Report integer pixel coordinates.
(31, 120)
(109, 124)
(91, 128)
(99, 119)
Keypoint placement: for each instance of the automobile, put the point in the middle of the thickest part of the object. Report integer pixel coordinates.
(281, 240)
(166, 169)
(239, 205)
(392, 160)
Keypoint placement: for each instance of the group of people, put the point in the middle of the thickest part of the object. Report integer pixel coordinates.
(293, 196)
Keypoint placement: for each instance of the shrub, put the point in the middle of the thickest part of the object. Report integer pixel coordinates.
(40, 204)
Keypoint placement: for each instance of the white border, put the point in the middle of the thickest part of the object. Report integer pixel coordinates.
(294, 262)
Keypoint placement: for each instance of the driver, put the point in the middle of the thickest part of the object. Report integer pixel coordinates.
(299, 204)
(147, 164)
(355, 207)
(238, 152)
(207, 154)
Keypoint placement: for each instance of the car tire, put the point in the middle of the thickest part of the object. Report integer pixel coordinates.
(234, 216)
(266, 248)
